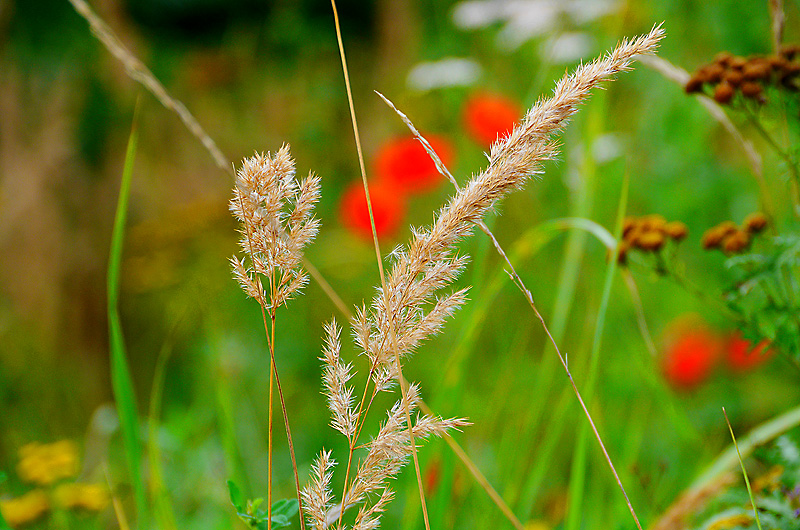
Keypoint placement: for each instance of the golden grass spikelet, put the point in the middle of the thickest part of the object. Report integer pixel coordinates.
(317, 495)
(389, 450)
(277, 223)
(335, 377)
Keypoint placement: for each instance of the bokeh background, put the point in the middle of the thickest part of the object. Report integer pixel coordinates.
(257, 74)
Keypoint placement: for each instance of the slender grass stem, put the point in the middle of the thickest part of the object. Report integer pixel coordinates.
(636, 299)
(387, 301)
(744, 471)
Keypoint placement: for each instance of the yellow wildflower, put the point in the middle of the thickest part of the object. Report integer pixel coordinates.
(92, 497)
(25, 509)
(46, 463)
(730, 522)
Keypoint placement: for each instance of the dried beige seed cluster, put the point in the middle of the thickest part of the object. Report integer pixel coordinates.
(277, 223)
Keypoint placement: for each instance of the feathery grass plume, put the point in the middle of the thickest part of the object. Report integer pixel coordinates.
(317, 495)
(429, 262)
(277, 223)
(387, 453)
(410, 309)
(340, 397)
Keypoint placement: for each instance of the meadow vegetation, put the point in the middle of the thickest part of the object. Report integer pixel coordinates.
(543, 273)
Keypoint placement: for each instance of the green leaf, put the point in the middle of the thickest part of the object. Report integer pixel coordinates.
(236, 497)
(285, 507)
(121, 380)
(279, 521)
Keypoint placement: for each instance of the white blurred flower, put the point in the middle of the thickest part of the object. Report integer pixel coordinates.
(447, 72)
(567, 47)
(606, 148)
(527, 19)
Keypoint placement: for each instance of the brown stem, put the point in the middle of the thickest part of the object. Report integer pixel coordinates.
(291, 444)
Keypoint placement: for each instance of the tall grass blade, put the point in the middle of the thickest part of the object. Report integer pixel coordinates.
(744, 471)
(121, 380)
(162, 509)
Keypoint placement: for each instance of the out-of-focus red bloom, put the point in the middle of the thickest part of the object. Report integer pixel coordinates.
(488, 117)
(388, 208)
(432, 476)
(691, 353)
(742, 356)
(403, 163)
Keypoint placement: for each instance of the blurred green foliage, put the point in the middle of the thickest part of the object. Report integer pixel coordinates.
(257, 74)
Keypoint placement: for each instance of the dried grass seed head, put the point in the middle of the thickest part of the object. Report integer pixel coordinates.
(317, 495)
(276, 213)
(512, 161)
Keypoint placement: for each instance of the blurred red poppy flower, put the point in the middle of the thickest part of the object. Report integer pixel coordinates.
(388, 208)
(690, 356)
(742, 356)
(403, 163)
(488, 117)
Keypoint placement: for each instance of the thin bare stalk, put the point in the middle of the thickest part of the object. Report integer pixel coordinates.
(393, 339)
(777, 16)
(290, 442)
(528, 296)
(271, 384)
(791, 164)
(637, 306)
(744, 471)
(137, 71)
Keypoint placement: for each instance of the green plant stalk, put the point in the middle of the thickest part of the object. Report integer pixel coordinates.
(757, 436)
(121, 380)
(744, 471)
(578, 471)
(791, 164)
(162, 510)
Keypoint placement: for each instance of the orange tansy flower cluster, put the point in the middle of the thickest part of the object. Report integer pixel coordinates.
(649, 234)
(728, 75)
(733, 239)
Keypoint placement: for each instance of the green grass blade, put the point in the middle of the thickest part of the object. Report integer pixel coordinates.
(162, 509)
(744, 471)
(578, 472)
(760, 435)
(121, 380)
